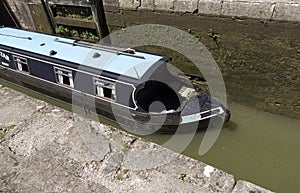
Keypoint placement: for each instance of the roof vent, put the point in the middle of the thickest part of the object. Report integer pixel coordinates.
(96, 55)
(53, 52)
(42, 44)
(129, 50)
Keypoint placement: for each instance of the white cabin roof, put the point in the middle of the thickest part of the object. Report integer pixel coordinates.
(131, 65)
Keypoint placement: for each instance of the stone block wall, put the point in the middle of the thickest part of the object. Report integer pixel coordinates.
(259, 9)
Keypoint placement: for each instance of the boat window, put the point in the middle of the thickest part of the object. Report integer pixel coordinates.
(64, 76)
(104, 88)
(21, 64)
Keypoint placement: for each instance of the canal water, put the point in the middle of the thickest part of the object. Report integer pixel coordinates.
(256, 146)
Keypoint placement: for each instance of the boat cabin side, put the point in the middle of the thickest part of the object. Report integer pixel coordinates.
(158, 84)
(103, 85)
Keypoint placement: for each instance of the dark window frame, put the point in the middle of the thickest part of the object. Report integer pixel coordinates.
(64, 76)
(104, 88)
(21, 64)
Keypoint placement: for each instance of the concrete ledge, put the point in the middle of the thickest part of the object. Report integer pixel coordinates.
(258, 9)
(60, 149)
(112, 3)
(186, 5)
(247, 187)
(252, 9)
(268, 9)
(289, 11)
(130, 4)
(68, 153)
(210, 7)
(164, 5)
(148, 4)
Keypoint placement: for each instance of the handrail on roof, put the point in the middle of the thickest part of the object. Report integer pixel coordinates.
(118, 50)
(21, 37)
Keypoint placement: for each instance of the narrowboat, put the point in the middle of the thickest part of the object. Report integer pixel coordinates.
(121, 84)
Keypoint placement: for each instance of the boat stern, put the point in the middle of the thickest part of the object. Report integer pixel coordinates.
(204, 109)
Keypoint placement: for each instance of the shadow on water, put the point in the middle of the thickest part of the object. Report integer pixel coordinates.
(231, 125)
(256, 146)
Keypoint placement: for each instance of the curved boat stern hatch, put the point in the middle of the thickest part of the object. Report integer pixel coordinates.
(188, 105)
